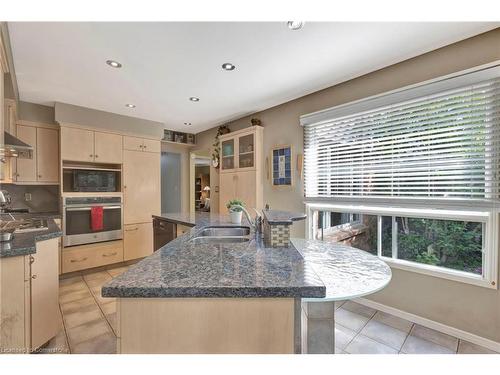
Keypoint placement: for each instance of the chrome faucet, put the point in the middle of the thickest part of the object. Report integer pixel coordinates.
(256, 223)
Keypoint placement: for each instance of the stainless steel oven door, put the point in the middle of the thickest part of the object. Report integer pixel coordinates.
(77, 227)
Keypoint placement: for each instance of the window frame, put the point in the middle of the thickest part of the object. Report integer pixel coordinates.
(488, 216)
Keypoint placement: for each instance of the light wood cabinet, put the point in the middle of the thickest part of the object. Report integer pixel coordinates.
(47, 155)
(138, 241)
(108, 148)
(141, 186)
(30, 291)
(181, 229)
(77, 144)
(45, 314)
(76, 258)
(26, 168)
(141, 144)
(44, 166)
(241, 168)
(90, 146)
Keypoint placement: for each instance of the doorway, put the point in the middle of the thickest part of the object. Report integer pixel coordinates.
(170, 182)
(199, 197)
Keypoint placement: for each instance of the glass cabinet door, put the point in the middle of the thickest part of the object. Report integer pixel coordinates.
(246, 151)
(227, 154)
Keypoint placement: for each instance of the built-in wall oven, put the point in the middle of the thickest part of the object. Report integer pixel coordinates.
(78, 221)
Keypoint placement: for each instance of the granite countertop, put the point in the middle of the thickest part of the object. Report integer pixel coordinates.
(183, 268)
(346, 271)
(25, 243)
(282, 217)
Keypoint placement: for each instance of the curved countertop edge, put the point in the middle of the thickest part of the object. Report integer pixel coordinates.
(380, 276)
(25, 243)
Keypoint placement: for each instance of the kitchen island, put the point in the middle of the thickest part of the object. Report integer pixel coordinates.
(215, 296)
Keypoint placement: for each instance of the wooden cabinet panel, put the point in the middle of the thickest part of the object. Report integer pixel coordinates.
(150, 145)
(92, 255)
(108, 148)
(227, 190)
(246, 189)
(141, 186)
(132, 143)
(47, 154)
(138, 241)
(77, 144)
(26, 168)
(45, 314)
(182, 229)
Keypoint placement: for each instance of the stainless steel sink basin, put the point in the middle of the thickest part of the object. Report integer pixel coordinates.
(225, 231)
(218, 240)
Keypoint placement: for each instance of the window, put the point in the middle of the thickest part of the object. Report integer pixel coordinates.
(411, 176)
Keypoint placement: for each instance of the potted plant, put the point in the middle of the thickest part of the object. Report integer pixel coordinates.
(235, 211)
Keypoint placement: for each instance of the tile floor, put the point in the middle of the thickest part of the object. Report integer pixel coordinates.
(88, 324)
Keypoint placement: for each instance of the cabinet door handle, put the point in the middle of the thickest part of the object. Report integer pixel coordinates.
(131, 230)
(33, 277)
(109, 255)
(78, 260)
(39, 176)
(96, 156)
(32, 259)
(91, 155)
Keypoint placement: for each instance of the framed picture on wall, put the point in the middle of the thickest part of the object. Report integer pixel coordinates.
(281, 166)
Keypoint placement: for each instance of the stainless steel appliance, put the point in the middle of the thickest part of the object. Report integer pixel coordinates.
(15, 148)
(163, 233)
(85, 180)
(77, 220)
(5, 200)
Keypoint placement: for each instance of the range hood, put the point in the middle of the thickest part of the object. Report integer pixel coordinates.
(15, 148)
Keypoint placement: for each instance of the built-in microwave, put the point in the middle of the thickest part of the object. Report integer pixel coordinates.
(85, 180)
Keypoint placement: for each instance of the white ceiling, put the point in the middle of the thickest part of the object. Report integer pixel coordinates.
(166, 63)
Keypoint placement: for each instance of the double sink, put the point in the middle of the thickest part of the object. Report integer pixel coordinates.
(222, 234)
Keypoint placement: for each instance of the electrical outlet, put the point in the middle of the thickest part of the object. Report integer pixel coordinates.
(27, 197)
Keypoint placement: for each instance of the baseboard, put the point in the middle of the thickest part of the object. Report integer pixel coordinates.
(475, 339)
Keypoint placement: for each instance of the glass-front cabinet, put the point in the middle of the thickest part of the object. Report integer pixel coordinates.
(239, 150)
(227, 154)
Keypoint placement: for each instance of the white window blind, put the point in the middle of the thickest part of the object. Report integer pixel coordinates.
(442, 145)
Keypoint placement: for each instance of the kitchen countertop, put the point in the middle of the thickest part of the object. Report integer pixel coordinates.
(25, 243)
(184, 269)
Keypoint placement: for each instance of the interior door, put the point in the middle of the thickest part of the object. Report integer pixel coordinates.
(26, 168)
(141, 186)
(170, 182)
(47, 150)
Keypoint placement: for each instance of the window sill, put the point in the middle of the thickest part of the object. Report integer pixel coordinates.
(443, 273)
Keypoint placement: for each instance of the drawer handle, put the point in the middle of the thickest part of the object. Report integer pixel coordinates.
(109, 255)
(131, 230)
(78, 260)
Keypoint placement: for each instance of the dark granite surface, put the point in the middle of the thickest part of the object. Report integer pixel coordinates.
(282, 217)
(183, 268)
(25, 243)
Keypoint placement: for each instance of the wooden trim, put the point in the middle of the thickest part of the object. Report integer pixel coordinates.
(249, 129)
(4, 62)
(37, 124)
(104, 130)
(206, 325)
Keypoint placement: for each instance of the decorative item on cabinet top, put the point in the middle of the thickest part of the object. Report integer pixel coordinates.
(223, 129)
(171, 136)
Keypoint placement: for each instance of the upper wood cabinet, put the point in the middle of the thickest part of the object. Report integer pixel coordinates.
(108, 148)
(141, 186)
(44, 166)
(90, 146)
(141, 144)
(241, 150)
(77, 144)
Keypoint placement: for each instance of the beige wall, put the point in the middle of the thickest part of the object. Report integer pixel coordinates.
(469, 308)
(36, 112)
(68, 113)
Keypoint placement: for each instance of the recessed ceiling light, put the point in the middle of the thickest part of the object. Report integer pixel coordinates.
(295, 25)
(130, 105)
(228, 66)
(187, 123)
(113, 63)
(194, 99)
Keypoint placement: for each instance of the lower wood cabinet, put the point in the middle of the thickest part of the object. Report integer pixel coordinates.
(76, 258)
(29, 291)
(181, 229)
(138, 240)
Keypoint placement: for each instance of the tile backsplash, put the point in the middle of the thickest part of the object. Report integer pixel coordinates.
(44, 198)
